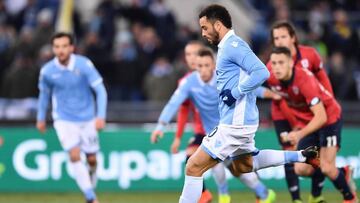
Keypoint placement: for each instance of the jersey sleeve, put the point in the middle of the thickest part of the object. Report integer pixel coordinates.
(316, 61)
(44, 96)
(249, 62)
(170, 109)
(92, 75)
(96, 82)
(309, 88)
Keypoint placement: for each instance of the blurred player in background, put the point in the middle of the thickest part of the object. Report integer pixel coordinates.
(318, 119)
(69, 80)
(191, 54)
(283, 34)
(238, 73)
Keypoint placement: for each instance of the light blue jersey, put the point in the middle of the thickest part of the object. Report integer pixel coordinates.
(70, 89)
(204, 95)
(241, 71)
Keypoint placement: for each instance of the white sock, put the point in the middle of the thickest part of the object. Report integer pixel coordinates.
(251, 180)
(192, 189)
(93, 176)
(269, 158)
(218, 172)
(82, 178)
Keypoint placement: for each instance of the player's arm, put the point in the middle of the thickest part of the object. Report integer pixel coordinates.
(266, 93)
(256, 70)
(43, 102)
(320, 73)
(170, 109)
(96, 82)
(324, 80)
(311, 92)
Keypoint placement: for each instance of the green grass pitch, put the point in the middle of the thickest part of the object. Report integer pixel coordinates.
(143, 197)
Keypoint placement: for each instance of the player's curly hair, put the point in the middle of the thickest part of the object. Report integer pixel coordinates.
(215, 12)
(288, 26)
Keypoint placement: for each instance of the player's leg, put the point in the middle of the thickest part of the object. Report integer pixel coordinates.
(196, 166)
(219, 174)
(81, 175)
(194, 143)
(330, 137)
(317, 177)
(292, 180)
(252, 181)
(92, 165)
(259, 159)
(90, 146)
(69, 135)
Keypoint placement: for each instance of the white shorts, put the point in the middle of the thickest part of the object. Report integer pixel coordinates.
(229, 141)
(81, 134)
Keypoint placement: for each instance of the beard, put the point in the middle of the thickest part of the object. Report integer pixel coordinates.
(216, 38)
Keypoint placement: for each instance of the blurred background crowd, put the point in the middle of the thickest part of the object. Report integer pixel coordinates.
(137, 45)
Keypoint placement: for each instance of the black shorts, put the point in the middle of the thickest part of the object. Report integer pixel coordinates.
(282, 126)
(196, 140)
(328, 136)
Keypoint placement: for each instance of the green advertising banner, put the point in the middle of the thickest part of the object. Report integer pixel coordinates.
(30, 161)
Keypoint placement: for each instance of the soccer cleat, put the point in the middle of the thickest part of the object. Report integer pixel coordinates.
(351, 201)
(224, 198)
(92, 201)
(319, 199)
(312, 156)
(206, 197)
(297, 201)
(270, 197)
(348, 170)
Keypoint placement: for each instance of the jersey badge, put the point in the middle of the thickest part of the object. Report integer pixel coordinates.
(305, 63)
(295, 90)
(234, 43)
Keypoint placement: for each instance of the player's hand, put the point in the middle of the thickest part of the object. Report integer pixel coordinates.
(175, 145)
(293, 137)
(155, 135)
(276, 96)
(99, 124)
(227, 97)
(41, 126)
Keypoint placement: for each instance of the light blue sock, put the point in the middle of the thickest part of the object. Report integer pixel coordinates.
(89, 194)
(261, 191)
(294, 156)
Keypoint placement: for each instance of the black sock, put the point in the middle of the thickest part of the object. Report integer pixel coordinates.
(292, 181)
(341, 184)
(317, 183)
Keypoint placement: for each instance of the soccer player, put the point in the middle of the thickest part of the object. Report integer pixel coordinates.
(249, 179)
(318, 115)
(239, 72)
(283, 34)
(69, 80)
(191, 54)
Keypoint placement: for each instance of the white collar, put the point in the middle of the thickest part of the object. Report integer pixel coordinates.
(227, 35)
(211, 82)
(70, 66)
